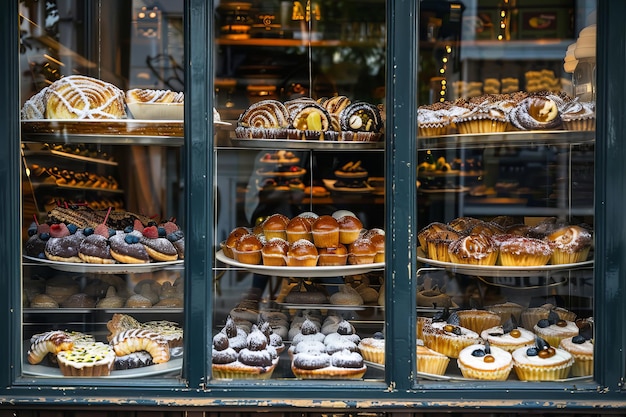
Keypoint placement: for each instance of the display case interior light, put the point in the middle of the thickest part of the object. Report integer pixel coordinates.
(148, 22)
(301, 12)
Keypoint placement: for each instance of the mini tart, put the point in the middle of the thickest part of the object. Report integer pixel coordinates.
(537, 368)
(515, 339)
(485, 362)
(430, 361)
(87, 359)
(448, 339)
(582, 353)
(478, 320)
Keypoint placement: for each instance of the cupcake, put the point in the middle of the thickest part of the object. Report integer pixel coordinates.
(570, 244)
(554, 329)
(429, 361)
(581, 348)
(448, 337)
(541, 362)
(431, 122)
(378, 240)
(373, 348)
(478, 320)
(524, 251)
(437, 244)
(325, 230)
(508, 336)
(483, 118)
(485, 362)
(474, 250)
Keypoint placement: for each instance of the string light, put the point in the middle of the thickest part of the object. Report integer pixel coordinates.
(444, 67)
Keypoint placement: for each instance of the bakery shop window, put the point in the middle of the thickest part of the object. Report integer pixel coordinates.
(506, 219)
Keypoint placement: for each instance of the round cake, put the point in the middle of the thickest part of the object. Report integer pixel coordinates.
(541, 362)
(87, 359)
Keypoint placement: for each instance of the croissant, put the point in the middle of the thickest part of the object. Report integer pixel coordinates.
(136, 340)
(49, 342)
(536, 112)
(81, 97)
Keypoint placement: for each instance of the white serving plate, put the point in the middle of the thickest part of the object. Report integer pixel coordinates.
(301, 272)
(105, 268)
(498, 270)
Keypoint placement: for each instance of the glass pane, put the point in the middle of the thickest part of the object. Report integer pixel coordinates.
(505, 197)
(300, 190)
(102, 183)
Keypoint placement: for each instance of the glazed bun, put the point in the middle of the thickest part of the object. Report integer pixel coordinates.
(302, 253)
(378, 241)
(349, 229)
(333, 256)
(231, 241)
(299, 228)
(361, 251)
(275, 226)
(325, 232)
(274, 252)
(248, 249)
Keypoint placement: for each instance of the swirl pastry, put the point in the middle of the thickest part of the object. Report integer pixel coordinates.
(80, 97)
(139, 95)
(136, 340)
(265, 114)
(49, 342)
(536, 113)
(310, 116)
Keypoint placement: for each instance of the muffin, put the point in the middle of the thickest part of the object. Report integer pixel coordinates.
(298, 228)
(577, 115)
(431, 122)
(554, 329)
(426, 231)
(320, 365)
(570, 244)
(275, 226)
(325, 230)
(508, 336)
(541, 362)
(333, 256)
(478, 320)
(486, 117)
(248, 250)
(485, 362)
(349, 229)
(473, 250)
(274, 252)
(429, 361)
(361, 251)
(437, 245)
(373, 348)
(302, 253)
(524, 251)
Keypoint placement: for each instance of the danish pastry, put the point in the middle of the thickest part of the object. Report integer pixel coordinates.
(81, 97)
